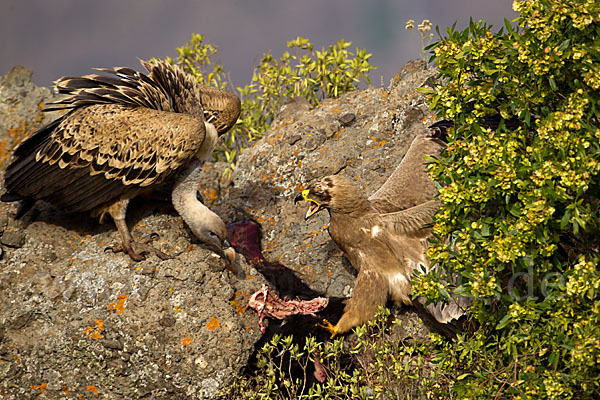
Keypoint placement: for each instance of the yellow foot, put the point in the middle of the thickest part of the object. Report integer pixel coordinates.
(327, 326)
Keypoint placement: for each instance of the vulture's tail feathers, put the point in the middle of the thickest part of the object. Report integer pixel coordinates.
(163, 89)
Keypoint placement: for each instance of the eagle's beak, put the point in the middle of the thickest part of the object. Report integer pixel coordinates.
(298, 198)
(314, 206)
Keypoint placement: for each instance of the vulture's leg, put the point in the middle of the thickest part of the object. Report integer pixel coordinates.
(370, 292)
(136, 250)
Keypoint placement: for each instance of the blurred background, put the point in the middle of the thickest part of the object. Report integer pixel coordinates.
(68, 37)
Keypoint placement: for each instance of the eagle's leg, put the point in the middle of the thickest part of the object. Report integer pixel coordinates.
(136, 250)
(370, 292)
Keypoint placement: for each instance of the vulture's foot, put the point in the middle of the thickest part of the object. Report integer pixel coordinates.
(138, 250)
(330, 328)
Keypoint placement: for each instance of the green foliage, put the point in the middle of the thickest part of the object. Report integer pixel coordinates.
(195, 59)
(521, 204)
(383, 367)
(304, 72)
(424, 28)
(314, 75)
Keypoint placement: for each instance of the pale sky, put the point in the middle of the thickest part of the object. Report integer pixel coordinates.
(69, 37)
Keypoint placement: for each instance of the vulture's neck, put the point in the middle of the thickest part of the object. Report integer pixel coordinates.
(184, 199)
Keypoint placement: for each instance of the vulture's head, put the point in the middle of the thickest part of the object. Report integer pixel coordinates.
(210, 229)
(334, 193)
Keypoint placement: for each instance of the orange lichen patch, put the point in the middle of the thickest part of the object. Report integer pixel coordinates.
(213, 324)
(92, 389)
(119, 306)
(336, 110)
(378, 143)
(309, 234)
(210, 194)
(41, 387)
(65, 389)
(177, 308)
(94, 331)
(308, 246)
(238, 302)
(15, 354)
(186, 341)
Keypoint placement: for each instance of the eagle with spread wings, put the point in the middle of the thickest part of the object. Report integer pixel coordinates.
(385, 236)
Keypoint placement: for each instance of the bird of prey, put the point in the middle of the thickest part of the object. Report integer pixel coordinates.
(123, 134)
(384, 236)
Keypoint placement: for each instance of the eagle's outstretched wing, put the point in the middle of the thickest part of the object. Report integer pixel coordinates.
(409, 184)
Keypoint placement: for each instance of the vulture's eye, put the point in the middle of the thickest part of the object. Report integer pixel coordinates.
(212, 234)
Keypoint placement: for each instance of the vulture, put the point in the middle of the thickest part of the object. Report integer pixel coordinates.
(384, 236)
(124, 133)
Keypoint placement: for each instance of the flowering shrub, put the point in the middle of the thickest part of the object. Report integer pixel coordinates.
(312, 74)
(521, 202)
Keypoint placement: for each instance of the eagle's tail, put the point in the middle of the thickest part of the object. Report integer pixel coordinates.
(446, 313)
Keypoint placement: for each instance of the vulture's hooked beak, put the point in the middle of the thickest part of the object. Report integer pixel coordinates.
(228, 252)
(314, 205)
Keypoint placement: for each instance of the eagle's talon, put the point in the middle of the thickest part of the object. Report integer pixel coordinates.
(329, 327)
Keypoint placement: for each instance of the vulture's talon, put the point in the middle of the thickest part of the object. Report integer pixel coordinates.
(138, 251)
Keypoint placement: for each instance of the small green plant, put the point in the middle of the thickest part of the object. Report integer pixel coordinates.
(382, 367)
(195, 59)
(424, 27)
(521, 202)
(305, 72)
(312, 74)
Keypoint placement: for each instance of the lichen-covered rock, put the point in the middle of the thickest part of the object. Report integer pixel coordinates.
(21, 105)
(76, 317)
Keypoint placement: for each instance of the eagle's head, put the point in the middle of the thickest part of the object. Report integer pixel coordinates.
(334, 193)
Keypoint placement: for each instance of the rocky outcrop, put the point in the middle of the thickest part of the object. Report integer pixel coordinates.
(77, 320)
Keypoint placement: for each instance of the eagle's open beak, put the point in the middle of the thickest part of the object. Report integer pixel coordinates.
(314, 205)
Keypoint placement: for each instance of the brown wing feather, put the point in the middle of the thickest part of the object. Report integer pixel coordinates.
(409, 184)
(100, 151)
(411, 221)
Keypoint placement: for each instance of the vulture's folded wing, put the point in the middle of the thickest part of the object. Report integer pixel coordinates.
(98, 152)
